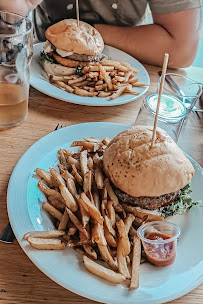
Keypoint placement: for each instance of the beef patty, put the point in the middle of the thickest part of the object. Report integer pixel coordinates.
(149, 203)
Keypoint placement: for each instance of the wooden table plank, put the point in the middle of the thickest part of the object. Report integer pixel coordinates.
(20, 280)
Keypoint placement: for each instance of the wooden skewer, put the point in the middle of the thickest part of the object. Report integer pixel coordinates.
(164, 68)
(77, 12)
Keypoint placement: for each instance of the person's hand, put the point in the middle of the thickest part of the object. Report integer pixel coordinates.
(22, 7)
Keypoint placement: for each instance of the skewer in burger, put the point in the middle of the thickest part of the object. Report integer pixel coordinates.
(151, 181)
(69, 47)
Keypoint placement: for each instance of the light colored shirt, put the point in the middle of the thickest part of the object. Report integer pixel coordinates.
(113, 12)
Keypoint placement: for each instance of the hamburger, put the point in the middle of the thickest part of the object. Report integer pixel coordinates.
(69, 47)
(152, 181)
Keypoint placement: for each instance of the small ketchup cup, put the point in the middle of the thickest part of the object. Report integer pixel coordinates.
(159, 239)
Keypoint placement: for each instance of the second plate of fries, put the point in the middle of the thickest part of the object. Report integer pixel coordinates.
(69, 221)
(117, 79)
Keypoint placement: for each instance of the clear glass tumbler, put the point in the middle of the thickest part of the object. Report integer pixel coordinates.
(183, 88)
(159, 239)
(16, 51)
(171, 116)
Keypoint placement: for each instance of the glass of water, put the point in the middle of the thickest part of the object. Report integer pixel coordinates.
(171, 116)
(15, 57)
(182, 88)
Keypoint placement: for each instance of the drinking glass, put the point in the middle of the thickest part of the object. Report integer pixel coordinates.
(15, 57)
(171, 116)
(183, 88)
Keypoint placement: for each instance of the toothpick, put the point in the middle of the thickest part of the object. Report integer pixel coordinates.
(77, 12)
(164, 68)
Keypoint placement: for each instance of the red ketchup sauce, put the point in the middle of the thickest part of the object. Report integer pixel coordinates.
(160, 254)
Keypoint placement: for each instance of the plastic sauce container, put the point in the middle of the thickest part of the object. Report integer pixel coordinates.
(159, 240)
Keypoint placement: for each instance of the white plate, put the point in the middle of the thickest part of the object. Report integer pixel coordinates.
(157, 285)
(39, 80)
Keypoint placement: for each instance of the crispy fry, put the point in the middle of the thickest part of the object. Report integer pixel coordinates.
(68, 197)
(71, 187)
(85, 216)
(64, 221)
(128, 221)
(74, 162)
(104, 74)
(123, 238)
(103, 272)
(83, 162)
(99, 178)
(44, 234)
(90, 251)
(58, 178)
(78, 177)
(64, 86)
(103, 94)
(90, 146)
(109, 237)
(118, 92)
(77, 223)
(87, 183)
(83, 92)
(121, 259)
(98, 235)
(96, 199)
(101, 87)
(112, 195)
(56, 203)
(107, 220)
(107, 256)
(81, 84)
(111, 213)
(90, 207)
(97, 159)
(139, 84)
(53, 211)
(132, 231)
(46, 176)
(46, 244)
(76, 80)
(116, 65)
(50, 192)
(90, 163)
(66, 175)
(135, 263)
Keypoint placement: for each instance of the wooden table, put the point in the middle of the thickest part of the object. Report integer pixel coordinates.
(20, 280)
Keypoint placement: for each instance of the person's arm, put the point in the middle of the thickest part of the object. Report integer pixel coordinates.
(22, 7)
(177, 34)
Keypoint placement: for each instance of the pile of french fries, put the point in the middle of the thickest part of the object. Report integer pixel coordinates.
(101, 79)
(88, 216)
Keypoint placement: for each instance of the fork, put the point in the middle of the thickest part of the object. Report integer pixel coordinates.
(7, 235)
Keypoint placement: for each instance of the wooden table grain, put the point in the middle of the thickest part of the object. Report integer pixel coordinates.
(21, 282)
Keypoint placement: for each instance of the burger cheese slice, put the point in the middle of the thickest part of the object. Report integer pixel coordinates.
(154, 180)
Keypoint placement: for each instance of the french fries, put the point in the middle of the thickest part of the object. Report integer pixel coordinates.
(135, 263)
(103, 272)
(88, 214)
(46, 244)
(44, 234)
(102, 79)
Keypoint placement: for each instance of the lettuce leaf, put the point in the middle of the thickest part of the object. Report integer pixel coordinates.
(181, 204)
(43, 56)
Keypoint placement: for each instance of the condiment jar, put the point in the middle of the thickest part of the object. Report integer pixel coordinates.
(159, 239)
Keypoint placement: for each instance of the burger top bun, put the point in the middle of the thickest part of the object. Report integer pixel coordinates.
(139, 170)
(66, 35)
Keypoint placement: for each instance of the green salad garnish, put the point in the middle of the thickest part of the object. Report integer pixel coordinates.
(181, 204)
(43, 56)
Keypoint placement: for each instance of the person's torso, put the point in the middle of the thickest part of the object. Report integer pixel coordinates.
(113, 12)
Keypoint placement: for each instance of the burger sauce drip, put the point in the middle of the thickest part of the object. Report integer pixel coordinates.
(160, 254)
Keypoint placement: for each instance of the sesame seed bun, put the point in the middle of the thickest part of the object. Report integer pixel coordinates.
(66, 35)
(141, 171)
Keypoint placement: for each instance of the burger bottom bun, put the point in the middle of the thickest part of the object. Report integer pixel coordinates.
(68, 62)
(57, 69)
